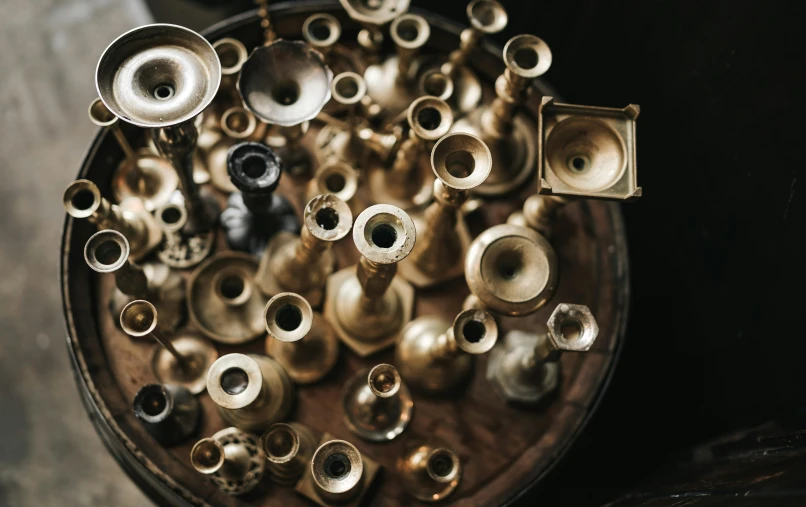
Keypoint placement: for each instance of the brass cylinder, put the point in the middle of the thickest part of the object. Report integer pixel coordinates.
(337, 469)
(288, 449)
(108, 252)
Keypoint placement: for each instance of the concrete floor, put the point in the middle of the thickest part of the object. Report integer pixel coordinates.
(49, 453)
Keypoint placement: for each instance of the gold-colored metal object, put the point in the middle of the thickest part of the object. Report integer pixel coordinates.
(169, 413)
(526, 369)
(461, 162)
(288, 449)
(348, 89)
(391, 84)
(512, 270)
(232, 54)
(231, 458)
(429, 472)
(237, 124)
(410, 181)
(302, 264)
(340, 179)
(181, 249)
(587, 151)
(538, 213)
(162, 77)
(223, 301)
(251, 391)
(373, 15)
(108, 252)
(182, 360)
(140, 174)
(323, 31)
(299, 339)
(82, 199)
(366, 304)
(377, 404)
(339, 474)
(509, 135)
(436, 356)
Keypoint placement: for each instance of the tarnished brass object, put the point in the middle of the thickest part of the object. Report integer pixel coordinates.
(526, 369)
(251, 391)
(538, 213)
(223, 301)
(377, 404)
(299, 339)
(436, 356)
(255, 214)
(392, 84)
(140, 174)
(367, 304)
(232, 54)
(461, 162)
(161, 77)
(236, 124)
(82, 199)
(587, 151)
(288, 449)
(410, 181)
(182, 360)
(179, 248)
(108, 252)
(340, 179)
(339, 474)
(509, 135)
(372, 15)
(169, 413)
(231, 458)
(302, 264)
(429, 472)
(512, 270)
(343, 142)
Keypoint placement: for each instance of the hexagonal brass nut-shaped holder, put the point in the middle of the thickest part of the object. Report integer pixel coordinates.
(572, 328)
(587, 151)
(505, 370)
(363, 348)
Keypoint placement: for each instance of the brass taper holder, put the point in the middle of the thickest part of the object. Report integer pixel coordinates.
(377, 404)
(429, 472)
(231, 458)
(288, 449)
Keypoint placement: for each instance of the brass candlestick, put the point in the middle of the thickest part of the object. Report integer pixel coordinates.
(377, 404)
(430, 472)
(231, 458)
(288, 449)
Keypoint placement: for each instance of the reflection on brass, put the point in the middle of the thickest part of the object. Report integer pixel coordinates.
(288, 449)
(377, 404)
(391, 84)
(512, 270)
(429, 472)
(538, 213)
(232, 54)
(436, 356)
(372, 15)
(460, 162)
(251, 391)
(169, 413)
(339, 474)
(140, 77)
(231, 458)
(182, 360)
(509, 135)
(299, 339)
(302, 264)
(255, 214)
(82, 199)
(526, 369)
(587, 151)
(140, 174)
(223, 301)
(237, 124)
(410, 181)
(180, 249)
(337, 178)
(367, 304)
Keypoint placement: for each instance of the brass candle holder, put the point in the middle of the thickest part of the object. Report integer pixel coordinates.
(169, 413)
(288, 449)
(430, 472)
(339, 474)
(377, 404)
(232, 459)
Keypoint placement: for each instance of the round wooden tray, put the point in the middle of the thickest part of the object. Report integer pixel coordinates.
(504, 450)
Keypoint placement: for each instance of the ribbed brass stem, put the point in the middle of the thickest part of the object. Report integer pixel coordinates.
(375, 279)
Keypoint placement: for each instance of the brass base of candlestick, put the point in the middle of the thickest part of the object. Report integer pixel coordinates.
(512, 378)
(373, 418)
(200, 354)
(418, 187)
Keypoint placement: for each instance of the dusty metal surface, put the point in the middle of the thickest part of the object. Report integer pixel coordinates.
(49, 452)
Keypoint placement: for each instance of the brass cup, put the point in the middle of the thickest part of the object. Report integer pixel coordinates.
(169, 413)
(82, 198)
(430, 118)
(235, 381)
(487, 16)
(280, 443)
(207, 456)
(100, 115)
(430, 473)
(285, 83)
(321, 31)
(232, 54)
(288, 317)
(107, 251)
(238, 123)
(410, 31)
(374, 13)
(527, 56)
(158, 75)
(233, 286)
(348, 88)
(377, 404)
(461, 161)
(437, 84)
(337, 469)
(288, 449)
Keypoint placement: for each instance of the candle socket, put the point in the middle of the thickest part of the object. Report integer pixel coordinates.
(367, 304)
(288, 449)
(235, 125)
(179, 248)
(169, 413)
(299, 339)
(340, 179)
(436, 356)
(232, 459)
(377, 404)
(302, 264)
(526, 369)
(460, 163)
(251, 392)
(430, 472)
